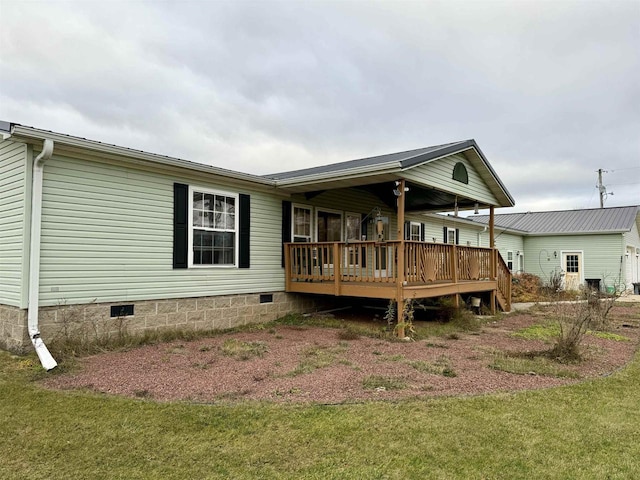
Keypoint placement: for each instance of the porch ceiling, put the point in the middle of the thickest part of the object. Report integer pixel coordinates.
(419, 198)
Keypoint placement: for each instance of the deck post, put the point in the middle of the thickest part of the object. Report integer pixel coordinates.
(494, 256)
(400, 258)
(287, 268)
(337, 273)
(492, 243)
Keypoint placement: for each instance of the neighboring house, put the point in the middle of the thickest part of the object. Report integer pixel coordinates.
(599, 247)
(101, 232)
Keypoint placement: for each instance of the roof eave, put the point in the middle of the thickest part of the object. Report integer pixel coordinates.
(34, 135)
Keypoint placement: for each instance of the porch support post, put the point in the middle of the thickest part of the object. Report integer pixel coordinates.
(287, 267)
(400, 257)
(337, 270)
(494, 256)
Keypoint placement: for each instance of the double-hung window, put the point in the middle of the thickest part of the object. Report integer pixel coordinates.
(451, 236)
(214, 228)
(415, 230)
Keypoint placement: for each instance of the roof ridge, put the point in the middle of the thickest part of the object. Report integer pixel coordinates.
(361, 159)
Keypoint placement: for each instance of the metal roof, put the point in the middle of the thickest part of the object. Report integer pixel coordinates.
(403, 159)
(596, 220)
(354, 173)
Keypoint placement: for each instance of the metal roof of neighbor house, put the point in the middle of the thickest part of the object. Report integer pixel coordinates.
(596, 220)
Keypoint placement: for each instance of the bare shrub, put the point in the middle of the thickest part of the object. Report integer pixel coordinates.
(573, 320)
(526, 287)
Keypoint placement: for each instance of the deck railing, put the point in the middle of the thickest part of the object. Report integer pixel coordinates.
(369, 263)
(373, 262)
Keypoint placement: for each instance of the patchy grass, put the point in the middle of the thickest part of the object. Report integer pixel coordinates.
(585, 431)
(539, 331)
(442, 366)
(529, 365)
(609, 336)
(376, 382)
(551, 330)
(243, 350)
(319, 357)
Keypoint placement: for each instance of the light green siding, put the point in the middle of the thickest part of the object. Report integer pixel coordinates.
(107, 235)
(632, 260)
(468, 234)
(506, 242)
(602, 255)
(359, 201)
(13, 205)
(350, 201)
(439, 174)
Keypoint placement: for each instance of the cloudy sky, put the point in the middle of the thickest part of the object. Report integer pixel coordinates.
(550, 90)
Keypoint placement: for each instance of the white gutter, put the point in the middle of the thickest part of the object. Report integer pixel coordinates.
(45, 357)
(67, 141)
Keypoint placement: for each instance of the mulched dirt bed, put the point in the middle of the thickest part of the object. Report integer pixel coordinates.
(313, 364)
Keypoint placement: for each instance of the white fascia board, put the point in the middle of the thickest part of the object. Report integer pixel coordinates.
(318, 178)
(32, 134)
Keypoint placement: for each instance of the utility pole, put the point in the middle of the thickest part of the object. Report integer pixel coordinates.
(601, 188)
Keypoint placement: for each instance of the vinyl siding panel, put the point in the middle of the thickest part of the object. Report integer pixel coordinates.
(601, 255)
(632, 262)
(107, 235)
(439, 174)
(13, 191)
(350, 201)
(434, 229)
(506, 242)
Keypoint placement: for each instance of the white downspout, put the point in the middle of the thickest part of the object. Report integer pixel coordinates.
(480, 236)
(45, 357)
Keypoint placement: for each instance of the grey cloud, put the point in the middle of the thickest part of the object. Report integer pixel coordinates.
(549, 90)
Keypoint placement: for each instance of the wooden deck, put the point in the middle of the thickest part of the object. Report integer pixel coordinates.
(370, 269)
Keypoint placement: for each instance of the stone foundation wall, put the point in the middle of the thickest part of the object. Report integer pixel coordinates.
(13, 329)
(205, 313)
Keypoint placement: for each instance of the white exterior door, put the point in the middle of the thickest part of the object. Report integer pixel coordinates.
(573, 270)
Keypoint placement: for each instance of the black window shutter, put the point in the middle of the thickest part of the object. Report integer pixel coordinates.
(286, 225)
(245, 230)
(444, 231)
(457, 236)
(407, 230)
(422, 232)
(180, 230)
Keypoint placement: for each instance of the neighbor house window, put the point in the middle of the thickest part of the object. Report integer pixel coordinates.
(301, 223)
(451, 236)
(214, 226)
(415, 231)
(510, 260)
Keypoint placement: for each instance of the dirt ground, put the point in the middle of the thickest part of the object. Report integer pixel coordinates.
(329, 365)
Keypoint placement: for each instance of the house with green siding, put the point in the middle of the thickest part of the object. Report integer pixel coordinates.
(599, 247)
(91, 232)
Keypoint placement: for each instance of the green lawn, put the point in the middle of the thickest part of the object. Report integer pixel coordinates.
(590, 430)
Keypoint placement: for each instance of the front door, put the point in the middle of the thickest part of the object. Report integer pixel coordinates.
(328, 229)
(572, 266)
